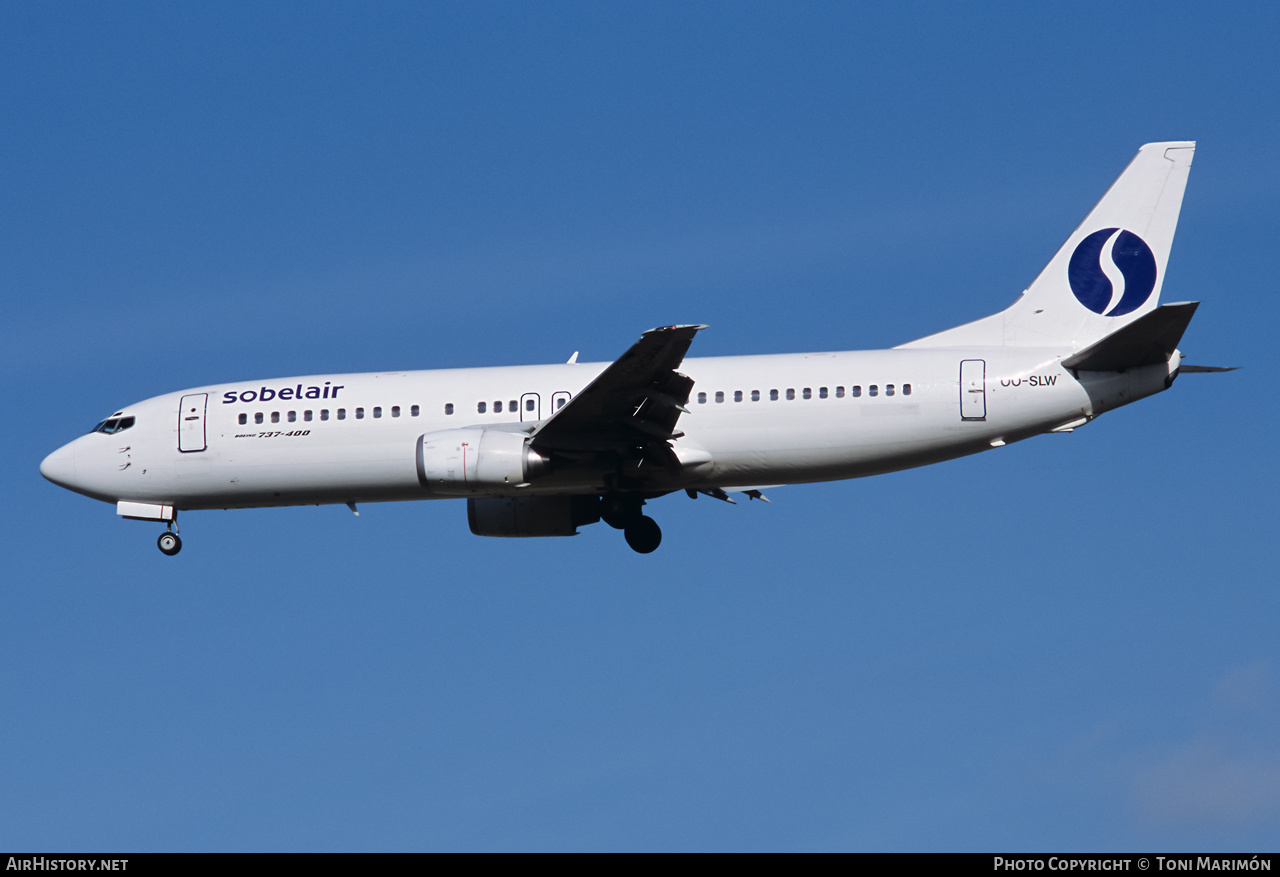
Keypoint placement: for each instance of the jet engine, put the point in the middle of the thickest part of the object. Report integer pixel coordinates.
(457, 462)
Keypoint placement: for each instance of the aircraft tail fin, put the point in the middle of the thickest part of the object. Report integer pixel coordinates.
(1109, 272)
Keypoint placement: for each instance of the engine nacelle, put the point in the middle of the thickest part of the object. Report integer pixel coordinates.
(515, 516)
(476, 460)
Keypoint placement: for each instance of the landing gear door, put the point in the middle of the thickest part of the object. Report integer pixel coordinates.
(530, 407)
(191, 412)
(973, 389)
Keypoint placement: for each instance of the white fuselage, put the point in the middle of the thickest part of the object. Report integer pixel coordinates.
(835, 416)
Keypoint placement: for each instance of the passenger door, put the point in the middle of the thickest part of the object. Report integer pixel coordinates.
(973, 389)
(191, 411)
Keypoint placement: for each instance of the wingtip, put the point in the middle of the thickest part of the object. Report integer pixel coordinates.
(697, 327)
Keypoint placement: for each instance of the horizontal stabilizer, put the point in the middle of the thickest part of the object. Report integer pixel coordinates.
(1205, 369)
(1148, 340)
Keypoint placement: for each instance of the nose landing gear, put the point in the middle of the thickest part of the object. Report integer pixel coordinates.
(169, 543)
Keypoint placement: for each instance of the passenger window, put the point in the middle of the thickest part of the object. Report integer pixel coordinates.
(822, 392)
(737, 395)
(839, 392)
(257, 417)
(872, 390)
(888, 389)
(306, 415)
(560, 403)
(377, 412)
(702, 398)
(773, 395)
(906, 389)
(275, 416)
(293, 416)
(855, 391)
(719, 395)
(395, 410)
(359, 414)
(324, 413)
(244, 418)
(497, 407)
(791, 393)
(481, 408)
(755, 395)
(342, 414)
(528, 404)
(808, 394)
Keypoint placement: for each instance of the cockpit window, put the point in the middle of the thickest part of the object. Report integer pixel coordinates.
(115, 424)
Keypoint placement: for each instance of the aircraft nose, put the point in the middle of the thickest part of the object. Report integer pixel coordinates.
(60, 466)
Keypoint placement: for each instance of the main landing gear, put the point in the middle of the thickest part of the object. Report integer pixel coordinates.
(622, 512)
(643, 535)
(169, 542)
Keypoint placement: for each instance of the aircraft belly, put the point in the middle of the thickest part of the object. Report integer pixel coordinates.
(321, 473)
(848, 446)
(878, 438)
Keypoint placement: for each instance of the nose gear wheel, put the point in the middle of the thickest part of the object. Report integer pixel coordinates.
(169, 543)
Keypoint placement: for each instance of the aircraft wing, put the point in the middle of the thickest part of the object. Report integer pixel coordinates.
(634, 403)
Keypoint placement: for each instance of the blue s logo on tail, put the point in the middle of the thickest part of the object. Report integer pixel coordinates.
(1129, 257)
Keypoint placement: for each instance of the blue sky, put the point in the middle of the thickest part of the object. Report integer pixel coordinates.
(1068, 643)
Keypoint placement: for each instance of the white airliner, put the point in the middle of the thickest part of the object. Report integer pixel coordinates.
(542, 450)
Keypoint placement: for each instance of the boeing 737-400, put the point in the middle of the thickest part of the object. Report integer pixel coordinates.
(543, 450)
